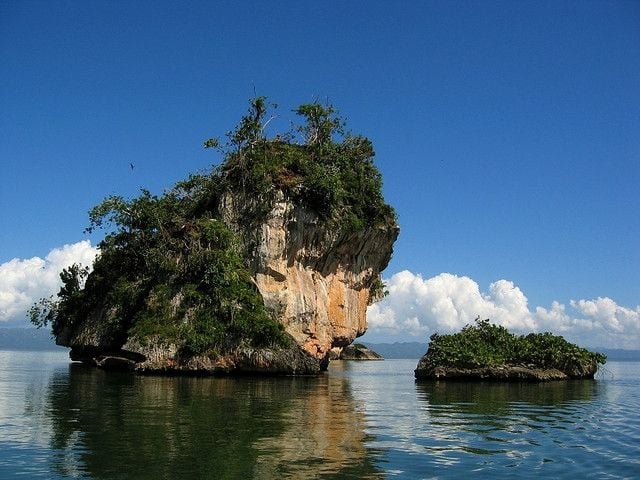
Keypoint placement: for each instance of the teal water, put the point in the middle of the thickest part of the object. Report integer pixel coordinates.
(360, 420)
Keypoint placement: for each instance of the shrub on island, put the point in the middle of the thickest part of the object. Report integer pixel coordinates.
(486, 351)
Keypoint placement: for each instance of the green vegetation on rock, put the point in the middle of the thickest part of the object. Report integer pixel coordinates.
(317, 165)
(484, 344)
(170, 268)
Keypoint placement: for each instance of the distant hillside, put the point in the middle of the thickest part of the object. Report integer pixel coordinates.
(40, 339)
(26, 339)
(417, 350)
(399, 349)
(619, 355)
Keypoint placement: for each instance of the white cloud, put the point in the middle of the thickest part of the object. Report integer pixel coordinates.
(447, 302)
(23, 282)
(417, 307)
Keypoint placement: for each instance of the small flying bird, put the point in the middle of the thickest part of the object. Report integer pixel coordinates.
(131, 165)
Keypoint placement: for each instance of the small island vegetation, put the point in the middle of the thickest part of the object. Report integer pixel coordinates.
(170, 268)
(486, 350)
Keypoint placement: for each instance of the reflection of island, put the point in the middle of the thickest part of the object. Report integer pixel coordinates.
(115, 425)
(323, 433)
(494, 399)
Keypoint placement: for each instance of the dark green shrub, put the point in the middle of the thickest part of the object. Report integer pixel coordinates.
(485, 344)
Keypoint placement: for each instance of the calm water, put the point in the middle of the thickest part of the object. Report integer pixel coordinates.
(360, 420)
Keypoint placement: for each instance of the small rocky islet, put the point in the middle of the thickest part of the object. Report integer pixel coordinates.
(489, 352)
(355, 351)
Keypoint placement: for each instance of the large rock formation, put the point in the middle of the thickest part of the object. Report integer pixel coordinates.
(262, 265)
(316, 278)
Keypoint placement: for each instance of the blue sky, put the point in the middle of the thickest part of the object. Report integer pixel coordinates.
(508, 133)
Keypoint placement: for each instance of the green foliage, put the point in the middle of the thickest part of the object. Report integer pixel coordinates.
(328, 171)
(167, 267)
(170, 267)
(486, 344)
(378, 289)
(43, 312)
(70, 299)
(321, 124)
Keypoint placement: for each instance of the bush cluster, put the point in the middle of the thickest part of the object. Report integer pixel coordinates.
(317, 164)
(486, 344)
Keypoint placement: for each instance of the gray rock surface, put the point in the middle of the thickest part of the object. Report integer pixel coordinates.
(355, 352)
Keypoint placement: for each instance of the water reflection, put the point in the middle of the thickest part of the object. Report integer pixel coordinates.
(507, 424)
(111, 425)
(501, 398)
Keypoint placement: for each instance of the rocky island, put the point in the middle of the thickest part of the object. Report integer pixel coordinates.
(262, 265)
(356, 351)
(484, 351)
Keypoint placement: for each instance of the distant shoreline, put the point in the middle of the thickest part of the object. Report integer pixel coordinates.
(27, 339)
(417, 349)
(33, 339)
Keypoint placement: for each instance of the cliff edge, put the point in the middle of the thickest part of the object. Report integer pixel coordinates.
(317, 280)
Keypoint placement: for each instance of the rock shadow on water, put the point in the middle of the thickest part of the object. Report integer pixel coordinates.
(117, 425)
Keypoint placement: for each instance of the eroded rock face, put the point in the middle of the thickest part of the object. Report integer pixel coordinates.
(316, 278)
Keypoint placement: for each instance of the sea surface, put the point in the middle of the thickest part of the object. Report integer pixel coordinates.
(359, 420)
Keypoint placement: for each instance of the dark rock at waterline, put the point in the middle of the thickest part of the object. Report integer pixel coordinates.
(160, 357)
(355, 352)
(426, 370)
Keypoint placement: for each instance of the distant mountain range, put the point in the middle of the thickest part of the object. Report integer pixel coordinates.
(41, 339)
(26, 339)
(417, 350)
(398, 349)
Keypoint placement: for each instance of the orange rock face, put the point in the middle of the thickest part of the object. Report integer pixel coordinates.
(316, 278)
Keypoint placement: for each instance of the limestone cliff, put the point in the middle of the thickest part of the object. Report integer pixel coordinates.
(316, 278)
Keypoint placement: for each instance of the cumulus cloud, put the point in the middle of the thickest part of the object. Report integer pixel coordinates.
(24, 281)
(445, 303)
